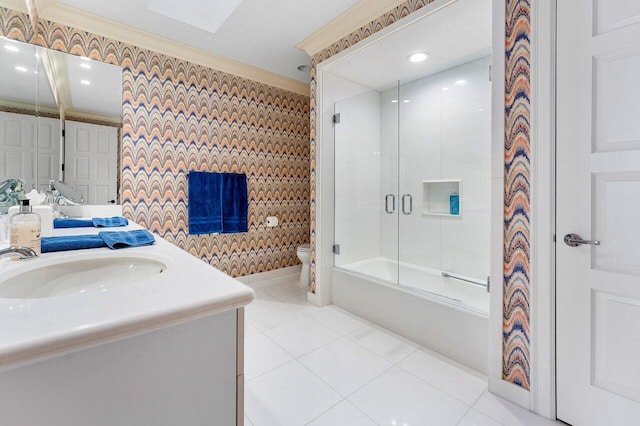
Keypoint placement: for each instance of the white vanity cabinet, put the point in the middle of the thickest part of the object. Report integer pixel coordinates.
(162, 350)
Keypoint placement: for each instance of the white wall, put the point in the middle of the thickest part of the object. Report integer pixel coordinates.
(444, 134)
(358, 204)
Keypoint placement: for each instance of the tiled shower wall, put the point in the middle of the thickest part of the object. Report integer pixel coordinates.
(516, 279)
(179, 116)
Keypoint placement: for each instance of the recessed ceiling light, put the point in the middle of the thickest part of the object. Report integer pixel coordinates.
(21, 69)
(460, 82)
(85, 66)
(395, 101)
(418, 57)
(406, 101)
(444, 89)
(304, 68)
(85, 82)
(11, 48)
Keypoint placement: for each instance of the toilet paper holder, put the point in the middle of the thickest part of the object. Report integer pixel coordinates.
(270, 221)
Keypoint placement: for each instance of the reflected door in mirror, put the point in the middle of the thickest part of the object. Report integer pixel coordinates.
(91, 156)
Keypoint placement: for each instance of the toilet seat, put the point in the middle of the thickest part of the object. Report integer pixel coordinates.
(304, 247)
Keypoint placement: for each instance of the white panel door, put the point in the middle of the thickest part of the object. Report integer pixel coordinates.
(91, 160)
(18, 148)
(598, 197)
(49, 164)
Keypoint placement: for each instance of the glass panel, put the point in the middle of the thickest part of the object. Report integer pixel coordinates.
(366, 181)
(445, 183)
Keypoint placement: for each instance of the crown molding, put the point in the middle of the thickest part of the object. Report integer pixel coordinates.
(19, 5)
(344, 24)
(82, 20)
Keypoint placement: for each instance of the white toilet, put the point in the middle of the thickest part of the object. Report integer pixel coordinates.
(304, 254)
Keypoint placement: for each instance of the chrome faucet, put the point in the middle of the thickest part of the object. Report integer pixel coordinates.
(22, 252)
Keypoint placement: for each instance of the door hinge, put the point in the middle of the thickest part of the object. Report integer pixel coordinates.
(63, 167)
(490, 73)
(336, 118)
(336, 249)
(63, 135)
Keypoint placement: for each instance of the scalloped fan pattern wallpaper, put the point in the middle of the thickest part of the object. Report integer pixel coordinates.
(179, 116)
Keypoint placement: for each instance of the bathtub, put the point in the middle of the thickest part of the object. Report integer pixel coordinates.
(443, 314)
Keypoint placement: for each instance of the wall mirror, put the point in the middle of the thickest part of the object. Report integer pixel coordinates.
(60, 119)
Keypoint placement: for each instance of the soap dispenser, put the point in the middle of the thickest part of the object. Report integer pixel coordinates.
(24, 228)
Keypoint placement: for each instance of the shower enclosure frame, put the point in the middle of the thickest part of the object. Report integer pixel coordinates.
(325, 206)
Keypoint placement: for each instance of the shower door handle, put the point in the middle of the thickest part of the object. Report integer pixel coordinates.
(393, 203)
(404, 204)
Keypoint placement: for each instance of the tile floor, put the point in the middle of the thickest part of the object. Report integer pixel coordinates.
(306, 365)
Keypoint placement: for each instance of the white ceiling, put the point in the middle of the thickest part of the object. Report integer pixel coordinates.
(262, 33)
(453, 35)
(18, 86)
(102, 97)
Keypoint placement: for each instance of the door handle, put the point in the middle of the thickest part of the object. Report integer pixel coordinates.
(574, 240)
(404, 210)
(393, 203)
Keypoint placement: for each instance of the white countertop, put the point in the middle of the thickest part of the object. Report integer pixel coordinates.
(34, 329)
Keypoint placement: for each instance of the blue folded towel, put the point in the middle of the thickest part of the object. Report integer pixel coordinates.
(97, 222)
(71, 242)
(109, 222)
(123, 239)
(218, 202)
(234, 203)
(72, 223)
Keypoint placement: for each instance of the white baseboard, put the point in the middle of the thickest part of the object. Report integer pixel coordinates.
(275, 273)
(510, 392)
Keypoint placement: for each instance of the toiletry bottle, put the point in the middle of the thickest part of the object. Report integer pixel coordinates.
(454, 204)
(24, 228)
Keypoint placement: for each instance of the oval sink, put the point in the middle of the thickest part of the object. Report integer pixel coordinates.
(79, 276)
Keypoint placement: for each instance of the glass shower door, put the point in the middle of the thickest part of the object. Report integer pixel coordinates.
(366, 202)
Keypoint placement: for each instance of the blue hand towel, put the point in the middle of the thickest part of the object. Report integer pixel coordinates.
(98, 222)
(71, 242)
(72, 223)
(234, 203)
(109, 222)
(123, 239)
(205, 203)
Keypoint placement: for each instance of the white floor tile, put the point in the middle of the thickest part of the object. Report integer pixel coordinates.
(300, 303)
(262, 355)
(285, 289)
(454, 379)
(344, 365)
(385, 343)
(270, 314)
(302, 336)
(288, 395)
(250, 329)
(397, 398)
(338, 320)
(508, 413)
(476, 418)
(343, 414)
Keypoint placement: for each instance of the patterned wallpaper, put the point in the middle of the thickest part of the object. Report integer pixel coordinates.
(179, 116)
(517, 166)
(516, 347)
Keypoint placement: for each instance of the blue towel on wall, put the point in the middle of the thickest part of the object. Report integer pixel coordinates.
(218, 202)
(71, 242)
(205, 203)
(124, 239)
(97, 222)
(234, 203)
